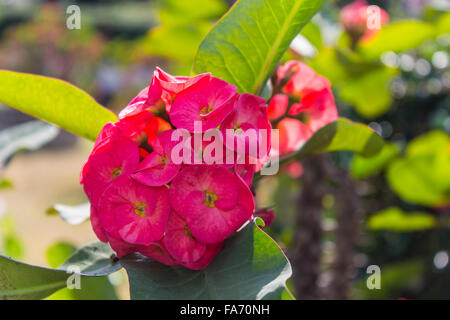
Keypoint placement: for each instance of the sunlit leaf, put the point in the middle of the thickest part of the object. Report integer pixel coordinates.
(394, 219)
(360, 91)
(246, 44)
(362, 167)
(54, 101)
(393, 38)
(423, 175)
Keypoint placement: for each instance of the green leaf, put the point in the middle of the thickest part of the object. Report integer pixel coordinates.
(12, 246)
(362, 168)
(343, 135)
(29, 136)
(423, 176)
(394, 219)
(246, 44)
(72, 214)
(58, 253)
(392, 38)
(249, 266)
(414, 181)
(20, 281)
(359, 91)
(54, 101)
(92, 288)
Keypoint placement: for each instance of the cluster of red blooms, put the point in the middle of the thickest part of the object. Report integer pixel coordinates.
(180, 213)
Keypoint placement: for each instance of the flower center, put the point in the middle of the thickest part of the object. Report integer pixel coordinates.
(210, 198)
(164, 160)
(237, 128)
(304, 117)
(139, 209)
(116, 172)
(188, 233)
(205, 110)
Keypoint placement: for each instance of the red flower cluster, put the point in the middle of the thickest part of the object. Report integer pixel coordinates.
(305, 104)
(177, 213)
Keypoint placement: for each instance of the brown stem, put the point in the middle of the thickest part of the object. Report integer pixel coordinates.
(308, 251)
(348, 216)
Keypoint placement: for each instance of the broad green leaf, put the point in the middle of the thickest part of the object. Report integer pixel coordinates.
(394, 219)
(423, 176)
(312, 32)
(246, 44)
(360, 91)
(415, 180)
(26, 136)
(249, 266)
(54, 101)
(362, 168)
(92, 288)
(343, 135)
(398, 36)
(20, 281)
(432, 142)
(72, 214)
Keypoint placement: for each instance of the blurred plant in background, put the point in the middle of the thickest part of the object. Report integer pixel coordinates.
(391, 210)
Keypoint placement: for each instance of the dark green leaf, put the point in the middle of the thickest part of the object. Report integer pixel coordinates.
(54, 101)
(92, 288)
(23, 281)
(343, 135)
(246, 44)
(249, 266)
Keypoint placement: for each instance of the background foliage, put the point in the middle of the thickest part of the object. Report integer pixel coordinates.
(396, 84)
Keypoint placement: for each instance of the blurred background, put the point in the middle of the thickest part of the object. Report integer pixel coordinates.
(335, 215)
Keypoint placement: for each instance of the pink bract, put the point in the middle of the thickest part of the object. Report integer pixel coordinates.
(180, 242)
(161, 91)
(214, 202)
(112, 158)
(303, 81)
(267, 215)
(158, 168)
(207, 102)
(249, 127)
(158, 252)
(133, 212)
